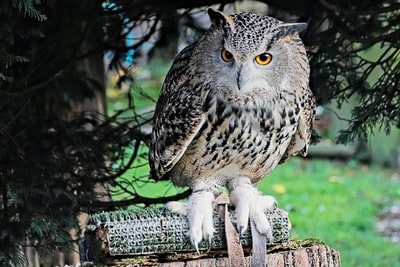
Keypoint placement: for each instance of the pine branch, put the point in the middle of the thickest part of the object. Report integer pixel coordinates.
(27, 8)
(9, 60)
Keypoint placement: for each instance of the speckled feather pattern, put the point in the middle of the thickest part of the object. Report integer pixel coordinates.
(207, 133)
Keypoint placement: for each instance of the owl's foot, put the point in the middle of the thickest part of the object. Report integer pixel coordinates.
(199, 211)
(250, 204)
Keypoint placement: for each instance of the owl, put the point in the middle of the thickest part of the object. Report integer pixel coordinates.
(233, 105)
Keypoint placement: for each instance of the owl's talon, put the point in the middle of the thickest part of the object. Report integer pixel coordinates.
(164, 208)
(209, 244)
(196, 246)
(250, 204)
(198, 210)
(241, 231)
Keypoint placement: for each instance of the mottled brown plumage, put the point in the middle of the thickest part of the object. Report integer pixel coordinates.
(224, 118)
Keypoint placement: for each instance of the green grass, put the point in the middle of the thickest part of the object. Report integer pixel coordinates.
(136, 180)
(337, 203)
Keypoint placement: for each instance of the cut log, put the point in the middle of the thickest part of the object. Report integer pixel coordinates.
(296, 253)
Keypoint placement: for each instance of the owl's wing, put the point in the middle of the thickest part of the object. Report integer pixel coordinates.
(178, 117)
(301, 140)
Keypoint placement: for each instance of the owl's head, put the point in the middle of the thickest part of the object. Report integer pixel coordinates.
(247, 51)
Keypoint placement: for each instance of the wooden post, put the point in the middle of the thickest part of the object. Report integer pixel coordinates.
(153, 238)
(295, 254)
(315, 255)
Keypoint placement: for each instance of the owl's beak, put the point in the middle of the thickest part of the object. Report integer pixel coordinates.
(247, 78)
(239, 78)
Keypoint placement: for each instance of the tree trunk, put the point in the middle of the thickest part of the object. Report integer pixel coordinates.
(71, 63)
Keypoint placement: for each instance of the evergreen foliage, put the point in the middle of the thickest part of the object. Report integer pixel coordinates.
(340, 35)
(51, 158)
(27, 9)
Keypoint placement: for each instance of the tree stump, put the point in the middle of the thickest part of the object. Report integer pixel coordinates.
(297, 254)
(153, 238)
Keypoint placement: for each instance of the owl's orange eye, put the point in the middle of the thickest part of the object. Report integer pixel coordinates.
(226, 55)
(264, 58)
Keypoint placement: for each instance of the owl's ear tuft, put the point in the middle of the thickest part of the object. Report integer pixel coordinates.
(219, 18)
(291, 28)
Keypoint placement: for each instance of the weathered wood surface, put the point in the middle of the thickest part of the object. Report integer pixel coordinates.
(296, 253)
